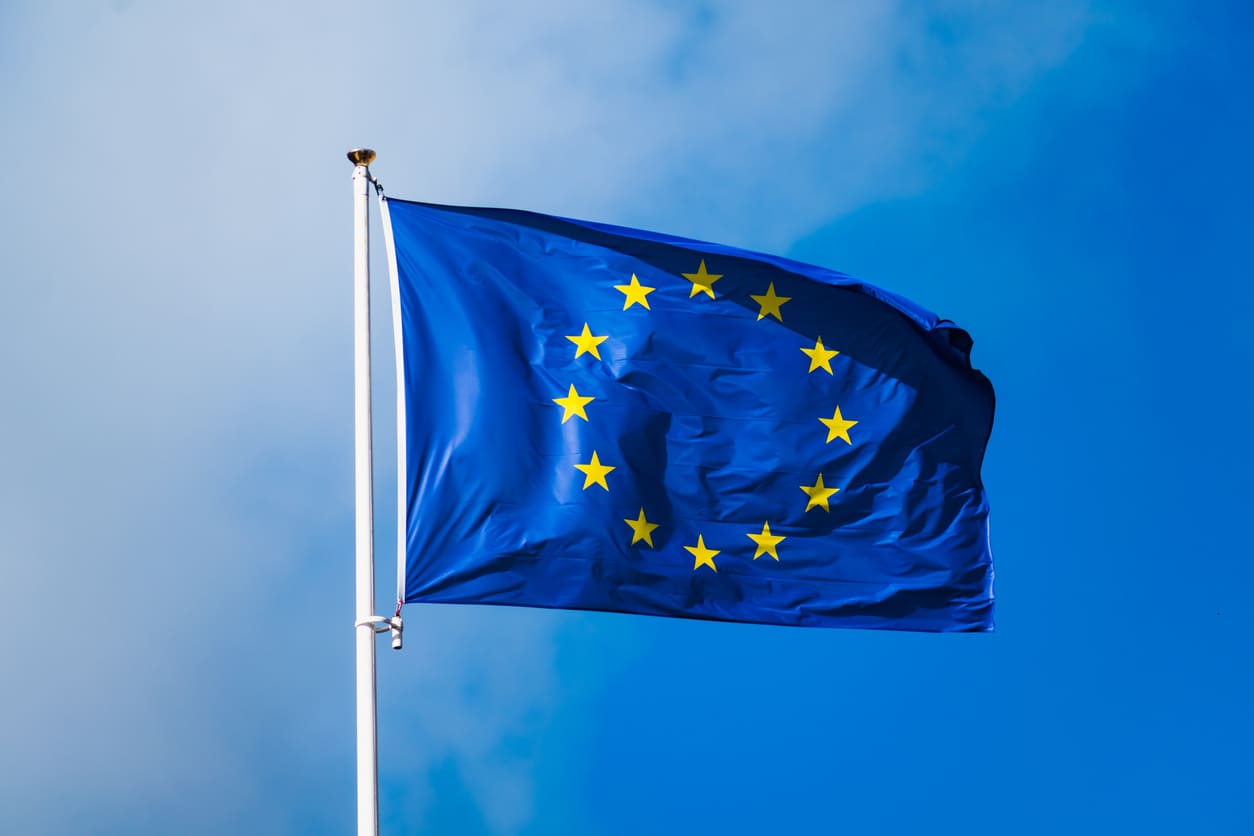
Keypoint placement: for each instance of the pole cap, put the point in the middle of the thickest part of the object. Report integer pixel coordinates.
(361, 156)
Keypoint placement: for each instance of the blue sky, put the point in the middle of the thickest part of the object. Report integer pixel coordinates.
(1071, 184)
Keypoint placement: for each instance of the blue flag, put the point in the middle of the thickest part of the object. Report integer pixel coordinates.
(603, 418)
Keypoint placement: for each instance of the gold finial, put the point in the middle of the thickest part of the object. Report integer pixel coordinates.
(361, 156)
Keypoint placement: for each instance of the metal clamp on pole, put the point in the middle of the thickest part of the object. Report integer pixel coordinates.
(380, 624)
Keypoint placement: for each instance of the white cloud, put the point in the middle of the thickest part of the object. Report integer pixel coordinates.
(175, 539)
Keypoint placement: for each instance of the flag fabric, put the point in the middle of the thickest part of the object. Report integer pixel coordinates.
(604, 418)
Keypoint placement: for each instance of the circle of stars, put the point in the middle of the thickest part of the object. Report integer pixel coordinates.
(770, 304)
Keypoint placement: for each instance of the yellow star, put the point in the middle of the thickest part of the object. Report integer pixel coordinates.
(837, 427)
(770, 303)
(818, 495)
(594, 472)
(820, 357)
(635, 293)
(701, 555)
(766, 542)
(573, 404)
(641, 529)
(586, 343)
(702, 282)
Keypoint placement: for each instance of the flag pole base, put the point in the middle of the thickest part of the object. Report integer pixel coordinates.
(379, 624)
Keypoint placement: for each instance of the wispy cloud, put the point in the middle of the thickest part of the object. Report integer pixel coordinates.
(176, 539)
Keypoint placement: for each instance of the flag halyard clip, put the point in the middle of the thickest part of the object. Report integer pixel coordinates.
(380, 624)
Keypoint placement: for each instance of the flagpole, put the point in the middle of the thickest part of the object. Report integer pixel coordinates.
(367, 731)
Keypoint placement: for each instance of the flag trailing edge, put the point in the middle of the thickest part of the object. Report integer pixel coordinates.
(596, 417)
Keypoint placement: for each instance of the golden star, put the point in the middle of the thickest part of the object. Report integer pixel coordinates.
(635, 293)
(818, 495)
(586, 343)
(641, 529)
(594, 472)
(573, 404)
(769, 304)
(766, 542)
(837, 427)
(820, 357)
(701, 555)
(702, 282)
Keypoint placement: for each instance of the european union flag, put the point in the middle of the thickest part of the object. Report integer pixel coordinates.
(603, 418)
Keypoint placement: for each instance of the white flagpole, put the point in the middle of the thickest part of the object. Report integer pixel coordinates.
(367, 733)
